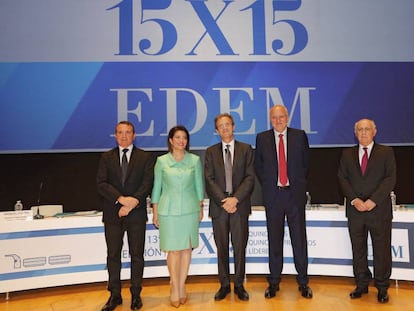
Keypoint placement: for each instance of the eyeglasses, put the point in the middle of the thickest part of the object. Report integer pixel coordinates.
(224, 125)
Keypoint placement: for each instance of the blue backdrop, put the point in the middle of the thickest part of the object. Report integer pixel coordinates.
(70, 71)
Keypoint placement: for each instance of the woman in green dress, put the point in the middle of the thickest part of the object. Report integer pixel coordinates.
(177, 199)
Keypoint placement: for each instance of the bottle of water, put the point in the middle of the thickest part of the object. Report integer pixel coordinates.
(18, 206)
(308, 200)
(149, 208)
(393, 199)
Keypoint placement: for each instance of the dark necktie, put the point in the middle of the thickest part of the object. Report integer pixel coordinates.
(364, 161)
(124, 165)
(282, 162)
(228, 170)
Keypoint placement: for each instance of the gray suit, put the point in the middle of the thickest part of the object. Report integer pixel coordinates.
(224, 223)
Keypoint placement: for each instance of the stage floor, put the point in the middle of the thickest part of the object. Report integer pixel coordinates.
(330, 293)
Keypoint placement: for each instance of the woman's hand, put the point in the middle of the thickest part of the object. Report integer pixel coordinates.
(155, 220)
(201, 214)
(155, 215)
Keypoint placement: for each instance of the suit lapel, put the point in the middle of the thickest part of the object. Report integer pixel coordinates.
(371, 158)
(272, 141)
(116, 162)
(290, 139)
(218, 159)
(219, 156)
(355, 158)
(132, 161)
(272, 148)
(235, 156)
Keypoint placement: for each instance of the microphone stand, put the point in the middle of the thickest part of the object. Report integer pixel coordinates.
(38, 215)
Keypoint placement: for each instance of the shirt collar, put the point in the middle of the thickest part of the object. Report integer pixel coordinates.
(369, 147)
(284, 133)
(121, 148)
(231, 143)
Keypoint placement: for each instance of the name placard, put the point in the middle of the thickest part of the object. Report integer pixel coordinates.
(16, 215)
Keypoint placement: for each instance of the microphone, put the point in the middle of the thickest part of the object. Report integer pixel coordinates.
(38, 216)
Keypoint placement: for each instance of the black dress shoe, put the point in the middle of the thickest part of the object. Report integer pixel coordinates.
(305, 291)
(358, 292)
(222, 293)
(112, 303)
(136, 303)
(241, 293)
(382, 296)
(271, 291)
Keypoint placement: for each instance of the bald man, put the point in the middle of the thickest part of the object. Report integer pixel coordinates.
(367, 175)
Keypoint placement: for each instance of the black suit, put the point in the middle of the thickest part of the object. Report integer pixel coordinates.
(236, 224)
(138, 184)
(376, 184)
(289, 203)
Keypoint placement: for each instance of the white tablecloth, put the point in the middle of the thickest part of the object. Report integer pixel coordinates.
(71, 250)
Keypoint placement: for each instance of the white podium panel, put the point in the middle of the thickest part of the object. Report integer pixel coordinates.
(71, 250)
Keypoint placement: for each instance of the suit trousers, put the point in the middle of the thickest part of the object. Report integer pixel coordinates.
(283, 207)
(114, 236)
(380, 232)
(237, 227)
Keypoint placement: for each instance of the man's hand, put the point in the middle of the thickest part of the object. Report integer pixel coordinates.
(124, 211)
(360, 205)
(366, 206)
(129, 201)
(128, 204)
(230, 204)
(370, 205)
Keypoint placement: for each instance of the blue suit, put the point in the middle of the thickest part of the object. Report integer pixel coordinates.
(288, 203)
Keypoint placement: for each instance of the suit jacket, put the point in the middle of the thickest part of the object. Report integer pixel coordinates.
(178, 186)
(376, 184)
(243, 177)
(138, 183)
(266, 164)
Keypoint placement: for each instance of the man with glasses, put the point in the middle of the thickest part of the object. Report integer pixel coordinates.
(229, 178)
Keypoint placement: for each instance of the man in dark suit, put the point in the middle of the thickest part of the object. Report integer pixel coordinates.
(367, 175)
(230, 204)
(281, 163)
(124, 179)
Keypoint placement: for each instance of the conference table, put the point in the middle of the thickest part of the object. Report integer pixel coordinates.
(70, 248)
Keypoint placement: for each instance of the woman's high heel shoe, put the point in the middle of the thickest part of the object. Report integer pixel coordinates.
(175, 304)
(183, 300)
